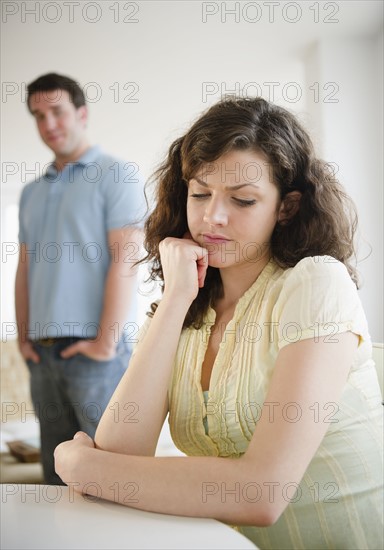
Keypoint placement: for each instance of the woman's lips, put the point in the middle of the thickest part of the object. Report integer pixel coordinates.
(215, 239)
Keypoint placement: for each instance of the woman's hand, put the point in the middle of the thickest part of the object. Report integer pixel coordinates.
(184, 264)
(68, 458)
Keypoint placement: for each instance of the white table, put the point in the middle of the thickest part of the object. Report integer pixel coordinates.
(50, 516)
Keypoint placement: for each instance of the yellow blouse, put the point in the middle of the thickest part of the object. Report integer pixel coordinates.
(338, 503)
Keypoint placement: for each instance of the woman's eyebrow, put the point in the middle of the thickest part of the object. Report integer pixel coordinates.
(232, 187)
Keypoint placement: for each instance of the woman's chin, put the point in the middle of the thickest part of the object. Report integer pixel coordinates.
(220, 263)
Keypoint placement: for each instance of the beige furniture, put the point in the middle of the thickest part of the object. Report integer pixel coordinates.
(17, 418)
(378, 357)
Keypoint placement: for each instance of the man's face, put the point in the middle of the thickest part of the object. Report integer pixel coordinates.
(60, 124)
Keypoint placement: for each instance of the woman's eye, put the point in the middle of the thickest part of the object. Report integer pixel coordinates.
(199, 195)
(243, 202)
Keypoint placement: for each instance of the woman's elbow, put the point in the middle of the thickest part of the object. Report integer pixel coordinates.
(264, 515)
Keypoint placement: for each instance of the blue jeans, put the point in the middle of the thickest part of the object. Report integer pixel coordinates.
(70, 395)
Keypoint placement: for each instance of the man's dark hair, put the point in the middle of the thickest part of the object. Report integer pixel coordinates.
(52, 81)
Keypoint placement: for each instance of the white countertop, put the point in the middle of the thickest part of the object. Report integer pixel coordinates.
(55, 517)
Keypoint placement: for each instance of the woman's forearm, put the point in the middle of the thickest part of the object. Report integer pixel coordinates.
(133, 419)
(208, 487)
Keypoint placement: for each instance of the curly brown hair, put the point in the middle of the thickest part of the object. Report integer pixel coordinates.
(324, 224)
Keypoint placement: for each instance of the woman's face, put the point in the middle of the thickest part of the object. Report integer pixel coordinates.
(232, 208)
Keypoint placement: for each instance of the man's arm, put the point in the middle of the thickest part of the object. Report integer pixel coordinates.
(124, 245)
(22, 306)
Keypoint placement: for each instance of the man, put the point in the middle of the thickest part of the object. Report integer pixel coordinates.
(76, 279)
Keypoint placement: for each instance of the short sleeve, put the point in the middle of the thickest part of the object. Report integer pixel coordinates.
(318, 299)
(124, 195)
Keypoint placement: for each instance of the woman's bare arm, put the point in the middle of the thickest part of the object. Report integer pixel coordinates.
(306, 373)
(133, 420)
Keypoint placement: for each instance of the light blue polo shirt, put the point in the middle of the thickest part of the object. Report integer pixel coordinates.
(64, 219)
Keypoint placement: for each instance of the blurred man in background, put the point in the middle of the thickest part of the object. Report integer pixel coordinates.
(76, 280)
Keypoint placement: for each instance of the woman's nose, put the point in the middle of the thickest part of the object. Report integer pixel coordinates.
(216, 213)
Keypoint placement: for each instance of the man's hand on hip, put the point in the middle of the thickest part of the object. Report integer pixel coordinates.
(97, 350)
(28, 351)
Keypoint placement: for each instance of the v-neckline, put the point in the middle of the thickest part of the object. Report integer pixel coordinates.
(211, 319)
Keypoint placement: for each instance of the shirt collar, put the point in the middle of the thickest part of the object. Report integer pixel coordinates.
(89, 156)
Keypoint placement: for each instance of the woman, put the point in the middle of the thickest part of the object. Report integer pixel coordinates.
(258, 349)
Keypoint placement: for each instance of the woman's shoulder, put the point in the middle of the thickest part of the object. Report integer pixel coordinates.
(319, 292)
(317, 284)
(321, 265)
(318, 271)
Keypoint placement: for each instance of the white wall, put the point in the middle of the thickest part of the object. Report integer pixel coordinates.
(168, 57)
(347, 129)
